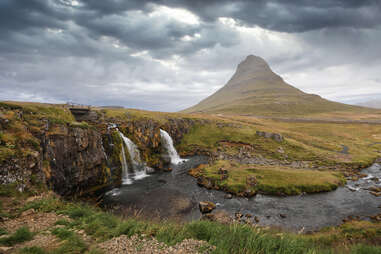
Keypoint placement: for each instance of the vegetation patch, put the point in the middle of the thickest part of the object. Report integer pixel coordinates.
(21, 235)
(208, 137)
(238, 179)
(32, 250)
(234, 238)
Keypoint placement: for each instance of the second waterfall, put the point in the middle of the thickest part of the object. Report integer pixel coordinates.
(168, 143)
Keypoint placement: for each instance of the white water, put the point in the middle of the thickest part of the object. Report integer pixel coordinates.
(168, 143)
(125, 176)
(138, 166)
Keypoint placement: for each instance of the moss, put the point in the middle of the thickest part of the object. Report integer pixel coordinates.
(83, 125)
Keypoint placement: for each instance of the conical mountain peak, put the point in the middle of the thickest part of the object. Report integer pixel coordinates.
(252, 67)
(256, 89)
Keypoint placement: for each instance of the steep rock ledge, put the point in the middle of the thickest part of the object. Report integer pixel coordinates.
(74, 160)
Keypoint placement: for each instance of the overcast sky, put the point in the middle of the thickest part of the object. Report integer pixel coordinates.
(169, 54)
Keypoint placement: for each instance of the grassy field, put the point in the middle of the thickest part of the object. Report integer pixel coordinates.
(353, 237)
(273, 180)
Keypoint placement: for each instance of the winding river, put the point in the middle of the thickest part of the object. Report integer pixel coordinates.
(175, 195)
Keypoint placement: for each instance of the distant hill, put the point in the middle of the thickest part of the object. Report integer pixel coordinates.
(255, 89)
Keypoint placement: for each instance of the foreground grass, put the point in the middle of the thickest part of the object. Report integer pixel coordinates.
(274, 180)
(234, 238)
(21, 235)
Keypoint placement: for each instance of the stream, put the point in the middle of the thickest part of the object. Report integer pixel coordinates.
(175, 195)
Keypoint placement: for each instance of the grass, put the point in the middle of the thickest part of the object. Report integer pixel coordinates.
(3, 231)
(234, 238)
(274, 180)
(21, 235)
(209, 136)
(32, 250)
(323, 140)
(72, 242)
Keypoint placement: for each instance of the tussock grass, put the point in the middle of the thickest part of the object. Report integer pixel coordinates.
(21, 235)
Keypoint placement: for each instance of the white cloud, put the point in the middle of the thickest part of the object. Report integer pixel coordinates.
(177, 14)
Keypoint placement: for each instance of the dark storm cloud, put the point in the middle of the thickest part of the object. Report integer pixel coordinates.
(16, 15)
(280, 15)
(136, 53)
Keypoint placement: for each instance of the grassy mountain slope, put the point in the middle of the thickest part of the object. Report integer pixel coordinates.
(256, 90)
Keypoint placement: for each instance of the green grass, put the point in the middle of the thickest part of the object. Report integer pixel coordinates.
(274, 180)
(21, 235)
(32, 250)
(208, 137)
(365, 249)
(235, 238)
(3, 231)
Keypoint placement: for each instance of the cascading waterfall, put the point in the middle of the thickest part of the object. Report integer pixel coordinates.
(125, 175)
(138, 166)
(168, 143)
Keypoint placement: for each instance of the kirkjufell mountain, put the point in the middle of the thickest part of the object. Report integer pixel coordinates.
(255, 89)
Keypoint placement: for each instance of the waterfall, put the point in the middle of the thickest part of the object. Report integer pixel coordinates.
(125, 175)
(168, 143)
(139, 168)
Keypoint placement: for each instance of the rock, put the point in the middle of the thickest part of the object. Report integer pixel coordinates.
(5, 249)
(375, 189)
(280, 150)
(238, 215)
(283, 216)
(377, 194)
(376, 217)
(251, 180)
(204, 182)
(275, 136)
(28, 212)
(249, 193)
(219, 216)
(228, 196)
(206, 206)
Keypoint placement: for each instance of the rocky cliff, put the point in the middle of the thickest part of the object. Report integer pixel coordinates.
(45, 144)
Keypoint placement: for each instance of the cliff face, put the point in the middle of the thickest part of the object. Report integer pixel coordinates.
(74, 160)
(48, 146)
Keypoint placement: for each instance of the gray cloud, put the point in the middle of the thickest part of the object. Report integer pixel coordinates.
(149, 55)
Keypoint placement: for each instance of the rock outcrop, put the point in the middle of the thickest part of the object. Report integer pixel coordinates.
(74, 160)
